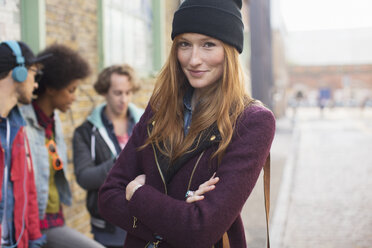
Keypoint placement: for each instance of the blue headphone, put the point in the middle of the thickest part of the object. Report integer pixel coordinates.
(20, 72)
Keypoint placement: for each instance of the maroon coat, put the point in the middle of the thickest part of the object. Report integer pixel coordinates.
(160, 208)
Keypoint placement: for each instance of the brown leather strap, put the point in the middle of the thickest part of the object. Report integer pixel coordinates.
(225, 241)
(267, 196)
(266, 168)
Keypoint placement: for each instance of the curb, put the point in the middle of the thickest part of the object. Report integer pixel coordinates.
(280, 215)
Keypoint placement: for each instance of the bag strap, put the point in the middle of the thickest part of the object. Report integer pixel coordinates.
(266, 176)
(266, 182)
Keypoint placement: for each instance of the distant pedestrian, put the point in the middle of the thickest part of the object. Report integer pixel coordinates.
(324, 97)
(62, 73)
(299, 97)
(297, 103)
(196, 154)
(364, 102)
(100, 139)
(19, 226)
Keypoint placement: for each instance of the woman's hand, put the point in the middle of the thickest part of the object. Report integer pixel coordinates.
(207, 186)
(134, 185)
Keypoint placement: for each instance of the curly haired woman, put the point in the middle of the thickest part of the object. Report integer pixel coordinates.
(62, 72)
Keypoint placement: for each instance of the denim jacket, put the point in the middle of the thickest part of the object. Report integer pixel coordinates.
(40, 159)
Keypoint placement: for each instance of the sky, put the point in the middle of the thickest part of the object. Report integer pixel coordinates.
(325, 32)
(304, 15)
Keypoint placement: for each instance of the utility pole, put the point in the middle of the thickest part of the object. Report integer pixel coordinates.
(261, 51)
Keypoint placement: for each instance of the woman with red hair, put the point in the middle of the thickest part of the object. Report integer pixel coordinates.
(197, 152)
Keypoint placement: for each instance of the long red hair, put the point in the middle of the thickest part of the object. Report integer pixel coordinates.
(222, 102)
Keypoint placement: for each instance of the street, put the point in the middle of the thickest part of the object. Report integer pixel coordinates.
(321, 182)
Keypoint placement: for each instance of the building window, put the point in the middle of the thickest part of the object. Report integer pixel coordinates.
(10, 28)
(128, 33)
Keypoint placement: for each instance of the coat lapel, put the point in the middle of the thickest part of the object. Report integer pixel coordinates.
(205, 140)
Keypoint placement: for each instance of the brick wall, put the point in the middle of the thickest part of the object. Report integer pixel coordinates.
(350, 85)
(74, 23)
(332, 76)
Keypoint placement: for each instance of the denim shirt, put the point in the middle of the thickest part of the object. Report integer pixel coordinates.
(187, 113)
(15, 121)
(40, 159)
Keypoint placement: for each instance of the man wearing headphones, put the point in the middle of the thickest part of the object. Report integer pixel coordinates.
(19, 226)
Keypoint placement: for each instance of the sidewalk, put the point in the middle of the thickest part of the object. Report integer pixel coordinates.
(325, 197)
(253, 213)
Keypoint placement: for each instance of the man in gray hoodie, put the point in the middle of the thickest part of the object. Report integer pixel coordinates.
(99, 140)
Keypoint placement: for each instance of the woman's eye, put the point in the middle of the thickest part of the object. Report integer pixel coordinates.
(209, 44)
(183, 44)
(72, 90)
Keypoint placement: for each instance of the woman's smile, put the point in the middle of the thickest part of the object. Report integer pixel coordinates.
(197, 73)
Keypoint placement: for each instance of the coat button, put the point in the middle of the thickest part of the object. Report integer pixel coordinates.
(213, 137)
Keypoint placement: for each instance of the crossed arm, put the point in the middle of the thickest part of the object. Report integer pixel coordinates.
(197, 195)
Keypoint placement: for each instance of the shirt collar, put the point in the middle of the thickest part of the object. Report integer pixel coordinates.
(15, 117)
(105, 120)
(42, 118)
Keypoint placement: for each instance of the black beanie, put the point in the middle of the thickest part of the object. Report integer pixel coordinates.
(220, 19)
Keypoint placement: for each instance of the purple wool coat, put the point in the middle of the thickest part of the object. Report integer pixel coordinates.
(159, 207)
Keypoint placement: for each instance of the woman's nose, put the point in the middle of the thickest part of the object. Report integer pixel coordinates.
(195, 57)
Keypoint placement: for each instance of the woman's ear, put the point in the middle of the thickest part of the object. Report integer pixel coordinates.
(50, 91)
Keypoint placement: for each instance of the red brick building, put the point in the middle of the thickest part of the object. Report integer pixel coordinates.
(349, 84)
